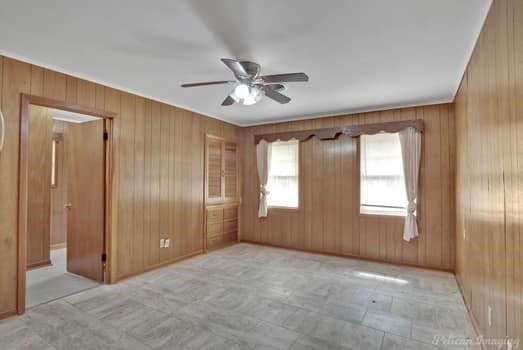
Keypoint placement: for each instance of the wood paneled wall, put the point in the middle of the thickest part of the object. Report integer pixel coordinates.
(489, 176)
(39, 185)
(157, 171)
(328, 218)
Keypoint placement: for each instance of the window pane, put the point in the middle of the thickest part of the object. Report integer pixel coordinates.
(382, 181)
(283, 178)
(53, 163)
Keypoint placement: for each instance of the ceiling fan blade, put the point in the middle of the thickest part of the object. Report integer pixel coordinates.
(275, 95)
(276, 87)
(285, 78)
(236, 67)
(206, 83)
(228, 101)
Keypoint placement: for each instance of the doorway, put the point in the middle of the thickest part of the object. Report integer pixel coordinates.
(64, 191)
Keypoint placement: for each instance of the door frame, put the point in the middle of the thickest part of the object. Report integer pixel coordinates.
(108, 117)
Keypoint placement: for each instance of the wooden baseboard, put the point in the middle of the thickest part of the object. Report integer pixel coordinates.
(39, 264)
(59, 246)
(363, 258)
(4, 315)
(221, 246)
(157, 266)
(475, 323)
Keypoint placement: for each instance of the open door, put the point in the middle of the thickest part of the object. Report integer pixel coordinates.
(85, 192)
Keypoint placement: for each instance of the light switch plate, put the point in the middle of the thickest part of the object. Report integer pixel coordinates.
(162, 243)
(167, 242)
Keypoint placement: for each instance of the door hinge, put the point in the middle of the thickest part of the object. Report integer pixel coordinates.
(106, 136)
(104, 257)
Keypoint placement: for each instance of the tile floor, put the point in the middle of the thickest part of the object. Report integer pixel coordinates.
(253, 297)
(53, 282)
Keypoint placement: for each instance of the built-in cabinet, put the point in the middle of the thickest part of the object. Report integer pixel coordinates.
(222, 194)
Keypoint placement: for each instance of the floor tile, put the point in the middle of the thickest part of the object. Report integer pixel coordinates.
(388, 322)
(394, 342)
(254, 298)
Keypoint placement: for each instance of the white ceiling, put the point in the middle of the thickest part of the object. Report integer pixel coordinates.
(360, 55)
(66, 116)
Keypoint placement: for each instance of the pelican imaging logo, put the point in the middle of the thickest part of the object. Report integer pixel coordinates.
(451, 340)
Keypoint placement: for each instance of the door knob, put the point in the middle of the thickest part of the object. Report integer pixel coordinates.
(68, 205)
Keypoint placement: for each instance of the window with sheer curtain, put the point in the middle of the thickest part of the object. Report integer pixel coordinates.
(283, 176)
(382, 181)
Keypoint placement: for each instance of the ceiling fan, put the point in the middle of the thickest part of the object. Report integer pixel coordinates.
(250, 86)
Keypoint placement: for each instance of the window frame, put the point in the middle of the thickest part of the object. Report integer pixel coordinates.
(399, 213)
(276, 208)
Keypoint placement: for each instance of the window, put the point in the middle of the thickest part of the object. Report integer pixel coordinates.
(283, 176)
(382, 183)
(53, 163)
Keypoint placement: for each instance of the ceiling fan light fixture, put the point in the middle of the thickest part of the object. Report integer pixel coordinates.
(250, 87)
(249, 100)
(241, 91)
(246, 95)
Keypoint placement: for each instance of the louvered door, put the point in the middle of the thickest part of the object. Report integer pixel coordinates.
(222, 193)
(214, 167)
(230, 172)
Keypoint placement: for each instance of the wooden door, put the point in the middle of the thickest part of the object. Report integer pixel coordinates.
(85, 193)
(215, 184)
(230, 173)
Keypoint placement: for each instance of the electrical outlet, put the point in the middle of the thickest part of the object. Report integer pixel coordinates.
(167, 242)
(489, 316)
(162, 243)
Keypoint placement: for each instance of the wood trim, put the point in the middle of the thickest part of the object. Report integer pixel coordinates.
(71, 107)
(25, 101)
(108, 161)
(222, 245)
(7, 314)
(284, 209)
(474, 322)
(59, 245)
(39, 264)
(452, 271)
(158, 266)
(333, 133)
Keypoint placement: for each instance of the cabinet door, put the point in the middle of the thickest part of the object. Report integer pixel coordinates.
(215, 184)
(230, 171)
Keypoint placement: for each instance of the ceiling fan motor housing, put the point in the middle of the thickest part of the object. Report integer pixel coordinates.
(252, 69)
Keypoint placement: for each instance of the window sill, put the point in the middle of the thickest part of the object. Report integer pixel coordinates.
(293, 209)
(383, 213)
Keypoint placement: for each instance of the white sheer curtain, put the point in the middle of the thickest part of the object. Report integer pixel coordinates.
(410, 141)
(263, 162)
